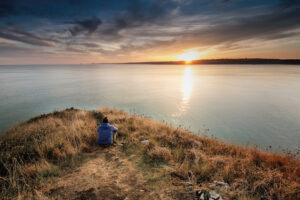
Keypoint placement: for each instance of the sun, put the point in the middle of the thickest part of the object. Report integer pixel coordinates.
(189, 56)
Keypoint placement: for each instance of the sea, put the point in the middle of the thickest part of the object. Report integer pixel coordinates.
(248, 105)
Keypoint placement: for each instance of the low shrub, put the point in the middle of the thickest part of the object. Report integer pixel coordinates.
(159, 154)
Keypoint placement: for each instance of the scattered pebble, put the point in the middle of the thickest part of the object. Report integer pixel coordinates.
(214, 195)
(202, 195)
(205, 195)
(145, 141)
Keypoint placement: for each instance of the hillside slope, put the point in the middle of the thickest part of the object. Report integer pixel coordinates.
(54, 156)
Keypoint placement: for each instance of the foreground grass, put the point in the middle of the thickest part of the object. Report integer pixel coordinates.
(50, 145)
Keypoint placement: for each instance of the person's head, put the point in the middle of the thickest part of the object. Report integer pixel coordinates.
(105, 120)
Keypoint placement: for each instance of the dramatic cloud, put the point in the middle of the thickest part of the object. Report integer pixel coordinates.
(20, 35)
(157, 29)
(87, 25)
(281, 21)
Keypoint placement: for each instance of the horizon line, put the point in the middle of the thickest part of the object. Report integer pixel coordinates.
(172, 62)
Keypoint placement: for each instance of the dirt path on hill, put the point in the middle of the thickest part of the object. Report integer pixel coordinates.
(108, 176)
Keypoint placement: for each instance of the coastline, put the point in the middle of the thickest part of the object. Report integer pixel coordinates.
(45, 149)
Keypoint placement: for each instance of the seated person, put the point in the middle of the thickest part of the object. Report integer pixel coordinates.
(107, 134)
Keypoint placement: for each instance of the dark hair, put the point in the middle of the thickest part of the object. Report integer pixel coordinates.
(105, 120)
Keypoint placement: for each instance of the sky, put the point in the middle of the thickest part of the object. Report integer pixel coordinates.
(99, 31)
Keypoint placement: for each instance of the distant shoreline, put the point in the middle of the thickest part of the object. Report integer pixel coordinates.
(229, 61)
(245, 61)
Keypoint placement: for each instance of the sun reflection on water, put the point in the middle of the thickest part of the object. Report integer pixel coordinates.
(186, 88)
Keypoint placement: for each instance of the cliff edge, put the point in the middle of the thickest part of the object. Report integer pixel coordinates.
(54, 156)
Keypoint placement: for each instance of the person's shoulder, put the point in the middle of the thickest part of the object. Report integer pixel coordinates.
(111, 126)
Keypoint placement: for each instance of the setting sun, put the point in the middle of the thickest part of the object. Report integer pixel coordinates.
(189, 56)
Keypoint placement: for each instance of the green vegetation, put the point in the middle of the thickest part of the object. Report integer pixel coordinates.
(51, 145)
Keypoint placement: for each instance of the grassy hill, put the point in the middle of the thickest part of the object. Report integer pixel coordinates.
(54, 156)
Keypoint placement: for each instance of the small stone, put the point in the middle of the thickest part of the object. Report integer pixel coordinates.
(214, 195)
(145, 141)
(117, 158)
(202, 195)
(121, 144)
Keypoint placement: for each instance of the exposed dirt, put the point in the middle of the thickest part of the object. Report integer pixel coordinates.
(108, 176)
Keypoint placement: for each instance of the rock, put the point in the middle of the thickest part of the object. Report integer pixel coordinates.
(145, 141)
(117, 158)
(214, 195)
(219, 183)
(205, 195)
(121, 144)
(202, 195)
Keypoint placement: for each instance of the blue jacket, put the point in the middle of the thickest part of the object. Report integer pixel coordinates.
(105, 133)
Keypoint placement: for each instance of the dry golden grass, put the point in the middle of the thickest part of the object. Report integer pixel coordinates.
(159, 154)
(251, 173)
(47, 145)
(39, 147)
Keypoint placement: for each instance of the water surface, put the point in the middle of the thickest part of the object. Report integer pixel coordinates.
(241, 104)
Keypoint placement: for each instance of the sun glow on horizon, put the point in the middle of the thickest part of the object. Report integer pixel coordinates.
(189, 56)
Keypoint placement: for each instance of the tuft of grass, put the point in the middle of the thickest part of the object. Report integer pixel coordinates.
(159, 154)
(51, 171)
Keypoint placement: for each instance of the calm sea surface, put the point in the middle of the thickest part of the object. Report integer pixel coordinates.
(241, 104)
